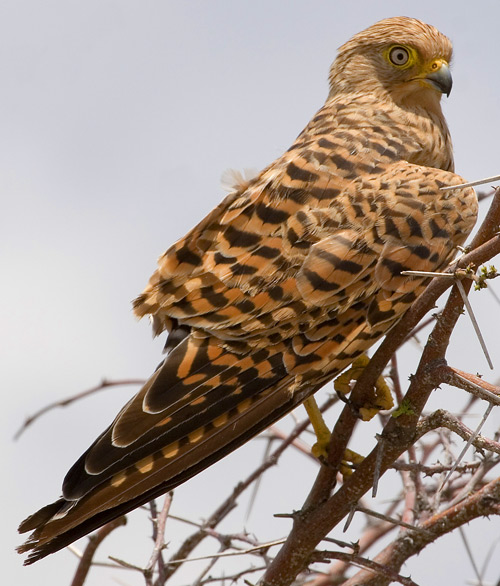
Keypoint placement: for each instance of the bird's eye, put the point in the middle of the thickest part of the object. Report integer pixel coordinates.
(399, 56)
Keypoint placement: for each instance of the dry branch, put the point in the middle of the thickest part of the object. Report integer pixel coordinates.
(88, 555)
(104, 384)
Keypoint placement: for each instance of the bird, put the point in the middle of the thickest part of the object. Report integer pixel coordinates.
(294, 275)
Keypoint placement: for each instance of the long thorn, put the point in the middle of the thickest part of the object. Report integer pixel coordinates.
(378, 464)
(471, 556)
(472, 183)
(427, 274)
(349, 519)
(474, 322)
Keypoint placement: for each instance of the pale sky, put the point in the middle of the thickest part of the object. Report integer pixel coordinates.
(117, 120)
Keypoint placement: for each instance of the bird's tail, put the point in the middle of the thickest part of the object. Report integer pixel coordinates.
(201, 404)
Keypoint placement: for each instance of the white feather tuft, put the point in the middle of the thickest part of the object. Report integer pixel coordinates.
(234, 180)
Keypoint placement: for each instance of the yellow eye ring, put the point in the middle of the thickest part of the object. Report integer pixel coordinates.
(399, 56)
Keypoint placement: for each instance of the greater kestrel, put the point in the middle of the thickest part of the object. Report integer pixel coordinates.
(295, 274)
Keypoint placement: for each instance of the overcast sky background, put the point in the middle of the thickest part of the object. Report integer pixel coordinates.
(117, 120)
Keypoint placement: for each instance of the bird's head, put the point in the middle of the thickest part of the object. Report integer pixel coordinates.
(400, 57)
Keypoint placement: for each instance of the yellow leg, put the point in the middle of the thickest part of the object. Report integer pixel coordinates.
(323, 435)
(320, 448)
(381, 400)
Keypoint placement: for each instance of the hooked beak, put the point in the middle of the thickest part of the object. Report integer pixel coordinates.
(440, 79)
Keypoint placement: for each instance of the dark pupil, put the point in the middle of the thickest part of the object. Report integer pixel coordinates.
(399, 56)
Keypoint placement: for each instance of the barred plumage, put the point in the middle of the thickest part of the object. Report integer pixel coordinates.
(294, 275)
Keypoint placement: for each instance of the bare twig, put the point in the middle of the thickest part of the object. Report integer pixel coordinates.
(94, 541)
(232, 578)
(104, 384)
(436, 469)
(256, 549)
(372, 566)
(387, 518)
(159, 537)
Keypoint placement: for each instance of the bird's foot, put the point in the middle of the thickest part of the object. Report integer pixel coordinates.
(350, 461)
(323, 436)
(381, 399)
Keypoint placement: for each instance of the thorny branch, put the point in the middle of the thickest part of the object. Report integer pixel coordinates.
(441, 418)
(394, 555)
